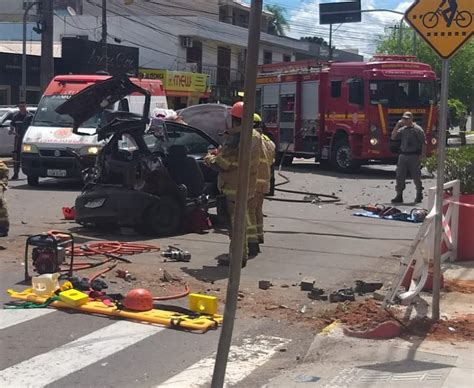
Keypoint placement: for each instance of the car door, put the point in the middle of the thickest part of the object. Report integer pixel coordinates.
(6, 140)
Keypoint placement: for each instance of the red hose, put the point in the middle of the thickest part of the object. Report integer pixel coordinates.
(177, 296)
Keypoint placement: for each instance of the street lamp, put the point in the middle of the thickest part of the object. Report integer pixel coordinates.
(27, 6)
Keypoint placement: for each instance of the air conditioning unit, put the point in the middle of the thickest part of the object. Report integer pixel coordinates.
(186, 41)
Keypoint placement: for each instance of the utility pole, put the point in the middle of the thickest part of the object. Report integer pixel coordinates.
(415, 49)
(330, 42)
(104, 33)
(27, 7)
(438, 233)
(400, 36)
(47, 58)
(238, 229)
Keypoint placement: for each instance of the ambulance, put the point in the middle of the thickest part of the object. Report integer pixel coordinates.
(51, 148)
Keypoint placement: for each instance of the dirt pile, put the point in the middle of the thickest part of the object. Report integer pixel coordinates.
(463, 286)
(454, 329)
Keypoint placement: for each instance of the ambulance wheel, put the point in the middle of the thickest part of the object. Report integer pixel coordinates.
(33, 180)
(164, 217)
(341, 157)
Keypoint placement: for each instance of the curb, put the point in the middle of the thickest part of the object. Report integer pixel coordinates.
(385, 330)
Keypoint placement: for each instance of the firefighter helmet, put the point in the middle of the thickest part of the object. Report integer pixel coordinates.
(138, 299)
(237, 110)
(257, 118)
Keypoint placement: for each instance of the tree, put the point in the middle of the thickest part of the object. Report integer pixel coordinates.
(461, 76)
(278, 22)
(315, 39)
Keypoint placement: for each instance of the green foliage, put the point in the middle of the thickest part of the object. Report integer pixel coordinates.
(457, 108)
(278, 22)
(461, 65)
(459, 165)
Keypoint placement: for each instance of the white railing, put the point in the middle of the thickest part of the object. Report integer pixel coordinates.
(426, 235)
(450, 219)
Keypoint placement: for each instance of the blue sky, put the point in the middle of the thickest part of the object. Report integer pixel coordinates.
(303, 16)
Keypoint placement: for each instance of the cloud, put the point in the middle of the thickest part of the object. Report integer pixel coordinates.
(364, 36)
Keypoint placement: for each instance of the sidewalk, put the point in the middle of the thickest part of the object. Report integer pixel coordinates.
(336, 360)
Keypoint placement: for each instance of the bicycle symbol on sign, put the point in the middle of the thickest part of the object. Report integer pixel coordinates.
(462, 18)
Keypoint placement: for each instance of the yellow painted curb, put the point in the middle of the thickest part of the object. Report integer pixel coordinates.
(329, 328)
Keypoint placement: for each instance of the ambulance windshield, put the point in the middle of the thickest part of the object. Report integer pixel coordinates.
(409, 93)
(46, 115)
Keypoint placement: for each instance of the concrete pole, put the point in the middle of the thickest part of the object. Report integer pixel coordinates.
(104, 34)
(237, 245)
(47, 58)
(23, 54)
(415, 49)
(400, 36)
(439, 188)
(330, 42)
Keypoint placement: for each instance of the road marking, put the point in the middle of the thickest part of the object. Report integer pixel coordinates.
(243, 360)
(48, 367)
(12, 317)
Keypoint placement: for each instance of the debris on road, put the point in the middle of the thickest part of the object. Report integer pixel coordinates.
(307, 284)
(363, 288)
(342, 295)
(124, 274)
(264, 284)
(176, 254)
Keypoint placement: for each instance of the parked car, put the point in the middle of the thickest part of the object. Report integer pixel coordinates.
(6, 140)
(145, 178)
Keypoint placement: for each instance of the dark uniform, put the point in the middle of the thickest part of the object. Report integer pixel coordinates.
(412, 141)
(19, 124)
(4, 224)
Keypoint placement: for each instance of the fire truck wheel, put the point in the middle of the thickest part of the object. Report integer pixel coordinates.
(164, 218)
(341, 157)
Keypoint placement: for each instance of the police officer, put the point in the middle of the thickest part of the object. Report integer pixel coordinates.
(226, 162)
(413, 143)
(264, 176)
(18, 126)
(4, 224)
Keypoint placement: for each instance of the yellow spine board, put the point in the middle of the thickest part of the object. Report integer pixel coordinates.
(161, 317)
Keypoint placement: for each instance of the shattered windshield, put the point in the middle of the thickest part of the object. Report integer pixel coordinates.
(46, 115)
(402, 93)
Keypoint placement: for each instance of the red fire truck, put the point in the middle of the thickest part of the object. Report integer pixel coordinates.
(342, 114)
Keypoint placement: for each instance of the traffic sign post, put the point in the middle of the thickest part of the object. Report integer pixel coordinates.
(445, 29)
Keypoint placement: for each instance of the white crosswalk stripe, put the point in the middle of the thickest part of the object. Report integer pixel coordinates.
(243, 360)
(83, 352)
(245, 357)
(11, 317)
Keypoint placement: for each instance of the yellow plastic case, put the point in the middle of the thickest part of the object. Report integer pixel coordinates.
(74, 297)
(203, 304)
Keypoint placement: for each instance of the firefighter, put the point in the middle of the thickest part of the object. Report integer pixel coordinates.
(412, 146)
(18, 126)
(4, 224)
(225, 161)
(267, 158)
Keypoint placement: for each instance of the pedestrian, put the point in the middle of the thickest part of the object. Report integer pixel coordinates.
(412, 146)
(264, 176)
(226, 162)
(18, 126)
(4, 224)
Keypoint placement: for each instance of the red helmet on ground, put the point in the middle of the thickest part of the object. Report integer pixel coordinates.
(138, 299)
(237, 110)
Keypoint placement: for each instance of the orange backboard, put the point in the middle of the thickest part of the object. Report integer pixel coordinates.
(445, 29)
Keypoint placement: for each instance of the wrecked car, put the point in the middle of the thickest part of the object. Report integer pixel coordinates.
(149, 178)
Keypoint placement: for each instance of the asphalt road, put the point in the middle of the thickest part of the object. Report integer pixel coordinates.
(324, 241)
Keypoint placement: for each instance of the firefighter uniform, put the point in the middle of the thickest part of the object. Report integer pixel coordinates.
(4, 224)
(253, 199)
(263, 182)
(226, 163)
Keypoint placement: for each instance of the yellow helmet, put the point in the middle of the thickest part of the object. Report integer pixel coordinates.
(257, 118)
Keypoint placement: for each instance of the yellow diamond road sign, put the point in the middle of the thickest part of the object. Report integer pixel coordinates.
(444, 24)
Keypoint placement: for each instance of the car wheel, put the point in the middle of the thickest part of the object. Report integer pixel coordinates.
(33, 180)
(164, 217)
(341, 157)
